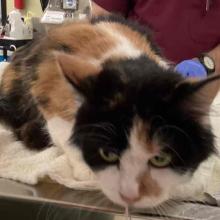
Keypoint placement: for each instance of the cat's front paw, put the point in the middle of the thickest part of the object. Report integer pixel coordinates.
(82, 172)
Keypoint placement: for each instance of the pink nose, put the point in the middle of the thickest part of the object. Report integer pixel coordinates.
(129, 199)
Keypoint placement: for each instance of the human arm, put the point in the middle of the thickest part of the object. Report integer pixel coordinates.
(194, 68)
(98, 10)
(215, 55)
(100, 7)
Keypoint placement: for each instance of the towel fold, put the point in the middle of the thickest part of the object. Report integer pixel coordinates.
(19, 163)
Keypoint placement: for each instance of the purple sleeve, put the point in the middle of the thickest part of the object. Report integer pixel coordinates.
(117, 6)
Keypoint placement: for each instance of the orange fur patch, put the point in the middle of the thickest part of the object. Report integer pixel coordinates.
(83, 39)
(140, 132)
(148, 186)
(76, 68)
(53, 92)
(8, 77)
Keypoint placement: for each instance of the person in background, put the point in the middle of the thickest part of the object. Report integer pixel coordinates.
(188, 32)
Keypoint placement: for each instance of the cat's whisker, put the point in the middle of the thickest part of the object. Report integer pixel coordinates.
(94, 198)
(178, 129)
(93, 137)
(165, 213)
(108, 127)
(171, 205)
(44, 205)
(40, 210)
(161, 212)
(126, 134)
(92, 134)
(158, 211)
(176, 153)
(96, 201)
(96, 141)
(50, 211)
(79, 209)
(56, 214)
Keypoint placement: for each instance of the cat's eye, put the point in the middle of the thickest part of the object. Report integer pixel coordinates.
(162, 160)
(108, 156)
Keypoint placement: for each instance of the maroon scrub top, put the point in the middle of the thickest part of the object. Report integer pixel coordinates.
(182, 28)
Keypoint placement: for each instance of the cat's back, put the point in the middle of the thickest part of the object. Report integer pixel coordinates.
(36, 69)
(105, 38)
(35, 86)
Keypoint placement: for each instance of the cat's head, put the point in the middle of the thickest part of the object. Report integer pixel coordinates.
(142, 129)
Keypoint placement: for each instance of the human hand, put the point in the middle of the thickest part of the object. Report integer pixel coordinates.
(191, 68)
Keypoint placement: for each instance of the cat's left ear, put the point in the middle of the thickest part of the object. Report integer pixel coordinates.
(199, 91)
(76, 68)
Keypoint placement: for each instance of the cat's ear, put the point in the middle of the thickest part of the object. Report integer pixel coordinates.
(101, 86)
(199, 91)
(76, 68)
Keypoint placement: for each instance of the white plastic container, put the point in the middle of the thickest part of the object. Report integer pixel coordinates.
(18, 29)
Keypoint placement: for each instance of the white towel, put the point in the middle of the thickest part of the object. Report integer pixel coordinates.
(20, 164)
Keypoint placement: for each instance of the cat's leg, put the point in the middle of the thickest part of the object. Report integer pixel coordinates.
(24, 119)
(60, 131)
(34, 135)
(19, 108)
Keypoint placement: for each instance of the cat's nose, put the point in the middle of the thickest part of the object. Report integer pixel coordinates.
(130, 199)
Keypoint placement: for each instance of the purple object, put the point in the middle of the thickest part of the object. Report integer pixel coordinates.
(191, 68)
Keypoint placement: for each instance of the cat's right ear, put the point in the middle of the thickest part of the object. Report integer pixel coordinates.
(77, 68)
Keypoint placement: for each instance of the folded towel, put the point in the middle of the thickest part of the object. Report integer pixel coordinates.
(20, 164)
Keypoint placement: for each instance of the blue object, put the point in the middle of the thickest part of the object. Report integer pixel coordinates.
(191, 68)
(2, 58)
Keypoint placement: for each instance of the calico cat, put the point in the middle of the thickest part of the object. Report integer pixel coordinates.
(101, 89)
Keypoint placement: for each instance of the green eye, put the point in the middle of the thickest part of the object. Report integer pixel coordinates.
(162, 160)
(108, 156)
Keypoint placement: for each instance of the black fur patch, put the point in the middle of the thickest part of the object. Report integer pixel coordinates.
(34, 134)
(18, 110)
(27, 58)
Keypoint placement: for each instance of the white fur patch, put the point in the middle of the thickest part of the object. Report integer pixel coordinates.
(60, 131)
(164, 64)
(133, 164)
(124, 47)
